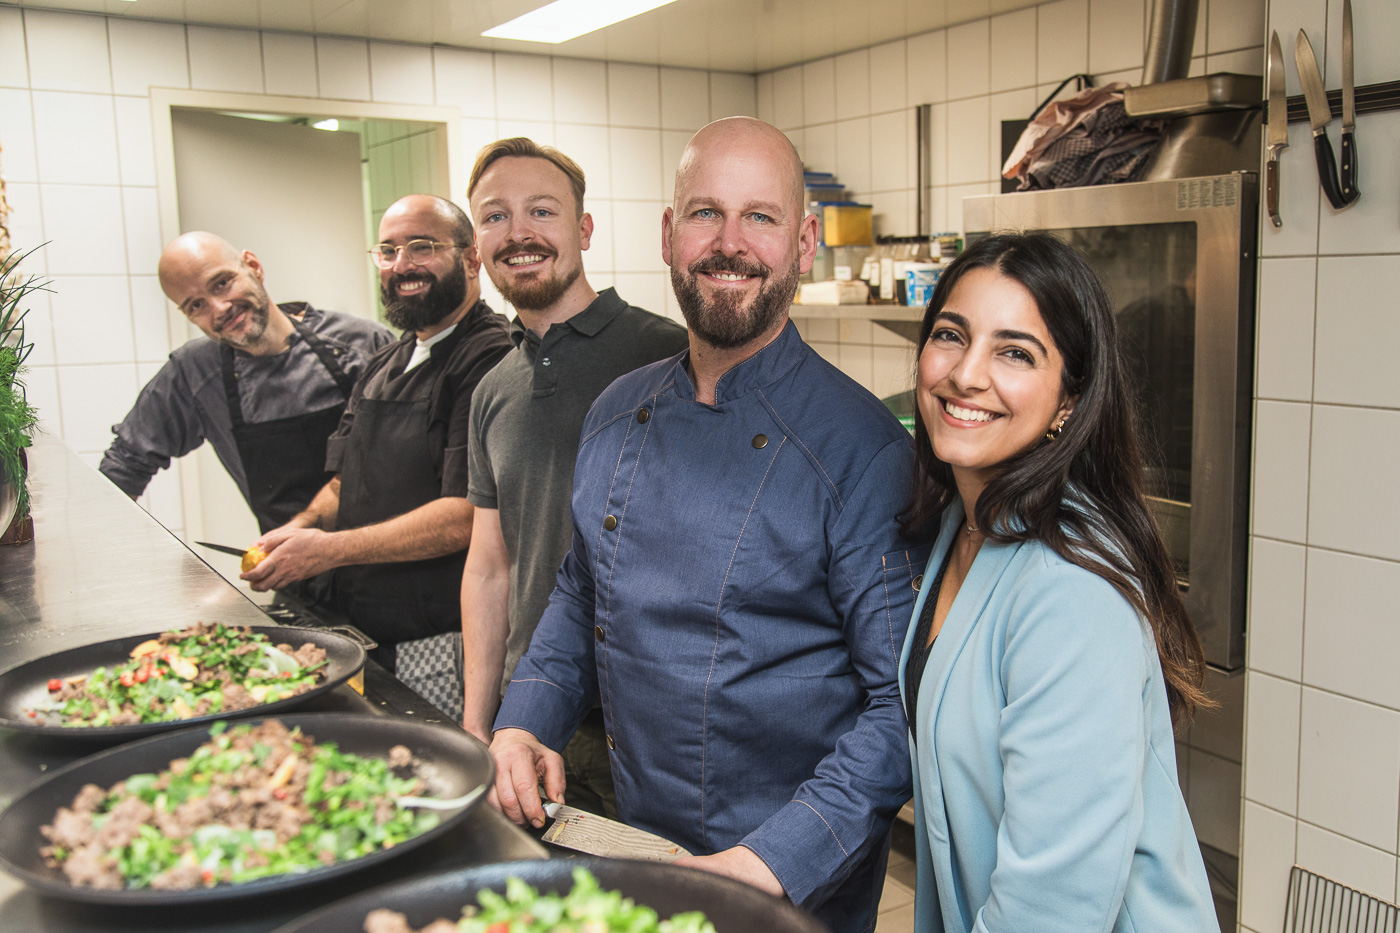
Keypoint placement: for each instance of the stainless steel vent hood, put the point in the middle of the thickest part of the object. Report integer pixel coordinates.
(1212, 121)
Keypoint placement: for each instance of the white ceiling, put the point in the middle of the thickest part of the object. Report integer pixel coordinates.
(725, 35)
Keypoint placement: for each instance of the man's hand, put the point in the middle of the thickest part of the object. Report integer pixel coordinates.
(739, 863)
(292, 554)
(523, 763)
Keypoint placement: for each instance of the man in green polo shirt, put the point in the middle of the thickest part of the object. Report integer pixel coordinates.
(571, 342)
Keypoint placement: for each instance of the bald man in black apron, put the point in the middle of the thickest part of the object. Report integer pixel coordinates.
(266, 385)
(395, 522)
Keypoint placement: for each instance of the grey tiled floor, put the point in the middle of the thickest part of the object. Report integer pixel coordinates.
(897, 903)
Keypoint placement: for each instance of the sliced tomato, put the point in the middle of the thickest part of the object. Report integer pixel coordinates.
(127, 678)
(55, 685)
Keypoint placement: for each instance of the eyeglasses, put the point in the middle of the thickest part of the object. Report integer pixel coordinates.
(417, 251)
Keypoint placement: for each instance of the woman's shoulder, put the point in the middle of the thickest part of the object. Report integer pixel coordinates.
(1056, 601)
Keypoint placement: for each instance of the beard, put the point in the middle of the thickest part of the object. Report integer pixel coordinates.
(256, 308)
(536, 292)
(722, 322)
(423, 310)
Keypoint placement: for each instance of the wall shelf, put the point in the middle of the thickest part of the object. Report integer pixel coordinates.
(900, 319)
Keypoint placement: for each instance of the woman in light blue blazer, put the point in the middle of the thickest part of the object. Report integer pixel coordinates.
(1050, 650)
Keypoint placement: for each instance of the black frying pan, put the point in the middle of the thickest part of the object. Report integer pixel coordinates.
(455, 764)
(733, 907)
(24, 687)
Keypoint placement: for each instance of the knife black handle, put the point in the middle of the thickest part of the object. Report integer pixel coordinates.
(1271, 191)
(1327, 170)
(1348, 167)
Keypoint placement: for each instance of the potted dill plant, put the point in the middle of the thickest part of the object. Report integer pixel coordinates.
(17, 417)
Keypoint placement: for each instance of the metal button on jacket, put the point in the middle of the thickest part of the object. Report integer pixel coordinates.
(545, 361)
(598, 632)
(610, 522)
(611, 744)
(760, 441)
(642, 416)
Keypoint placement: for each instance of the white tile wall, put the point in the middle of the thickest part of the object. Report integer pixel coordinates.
(1351, 645)
(1354, 452)
(466, 80)
(969, 58)
(75, 137)
(1287, 302)
(1013, 51)
(732, 95)
(685, 99)
(289, 64)
(401, 74)
(342, 68)
(1063, 40)
(75, 121)
(1333, 856)
(14, 62)
(1272, 721)
(1277, 573)
(1267, 852)
(1358, 802)
(67, 53)
(225, 59)
(17, 132)
(1281, 438)
(147, 55)
(819, 91)
(634, 95)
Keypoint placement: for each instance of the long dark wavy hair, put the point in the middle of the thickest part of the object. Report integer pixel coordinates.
(1082, 494)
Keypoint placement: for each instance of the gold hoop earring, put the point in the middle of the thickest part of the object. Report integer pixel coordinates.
(1057, 430)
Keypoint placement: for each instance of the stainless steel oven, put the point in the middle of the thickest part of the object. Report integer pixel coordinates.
(1178, 258)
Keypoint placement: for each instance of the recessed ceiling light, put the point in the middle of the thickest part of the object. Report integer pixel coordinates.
(563, 20)
(331, 124)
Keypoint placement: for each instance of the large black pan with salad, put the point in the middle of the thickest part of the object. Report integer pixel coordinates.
(241, 808)
(613, 895)
(140, 685)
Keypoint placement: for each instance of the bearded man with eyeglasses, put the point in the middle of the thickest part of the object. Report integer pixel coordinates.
(394, 523)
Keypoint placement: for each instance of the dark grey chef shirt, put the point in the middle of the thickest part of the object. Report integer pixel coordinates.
(526, 418)
(184, 405)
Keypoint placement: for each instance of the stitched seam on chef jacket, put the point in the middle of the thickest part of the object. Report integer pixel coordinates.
(622, 513)
(828, 827)
(889, 621)
(705, 703)
(885, 582)
(788, 432)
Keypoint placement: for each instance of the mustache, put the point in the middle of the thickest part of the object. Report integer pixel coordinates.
(398, 278)
(730, 264)
(505, 252)
(233, 312)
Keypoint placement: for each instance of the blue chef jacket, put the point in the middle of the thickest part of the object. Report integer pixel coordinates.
(737, 595)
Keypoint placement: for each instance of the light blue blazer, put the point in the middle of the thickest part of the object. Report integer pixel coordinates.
(1044, 763)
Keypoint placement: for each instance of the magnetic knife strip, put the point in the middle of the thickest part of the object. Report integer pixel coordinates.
(1370, 98)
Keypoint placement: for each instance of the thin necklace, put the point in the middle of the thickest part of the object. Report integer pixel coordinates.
(970, 527)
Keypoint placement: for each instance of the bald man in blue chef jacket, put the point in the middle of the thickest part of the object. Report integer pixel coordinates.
(737, 591)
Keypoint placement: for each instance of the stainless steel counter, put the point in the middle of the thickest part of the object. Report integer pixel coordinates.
(98, 568)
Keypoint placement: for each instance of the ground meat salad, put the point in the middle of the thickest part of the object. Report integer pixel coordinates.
(202, 670)
(250, 802)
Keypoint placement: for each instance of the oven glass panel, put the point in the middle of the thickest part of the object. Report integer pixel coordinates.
(1150, 273)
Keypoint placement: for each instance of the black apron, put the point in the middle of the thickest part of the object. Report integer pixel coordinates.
(284, 460)
(390, 468)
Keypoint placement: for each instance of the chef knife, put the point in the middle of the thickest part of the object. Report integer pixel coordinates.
(1348, 174)
(1278, 127)
(222, 548)
(1319, 114)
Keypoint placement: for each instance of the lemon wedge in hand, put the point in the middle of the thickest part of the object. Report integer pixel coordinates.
(252, 557)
